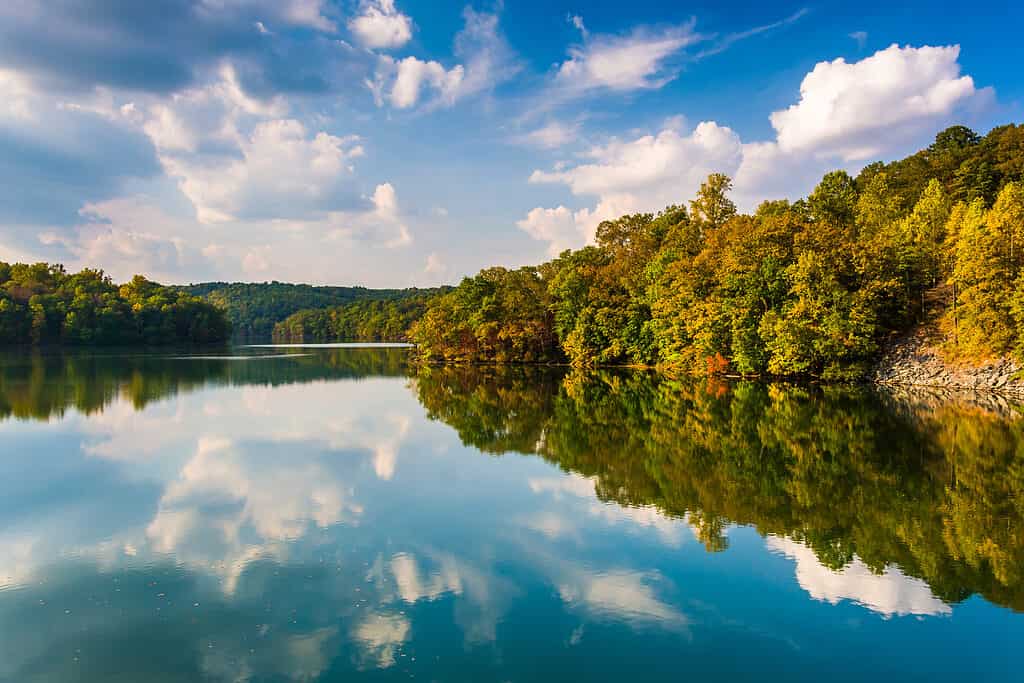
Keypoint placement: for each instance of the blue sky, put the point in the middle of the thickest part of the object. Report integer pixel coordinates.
(408, 142)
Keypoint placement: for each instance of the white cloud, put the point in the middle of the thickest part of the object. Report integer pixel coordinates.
(435, 264)
(577, 21)
(847, 113)
(622, 63)
(649, 161)
(855, 111)
(889, 593)
(282, 171)
(256, 261)
(627, 176)
(274, 188)
(382, 224)
(487, 56)
(413, 75)
(552, 135)
(167, 130)
(235, 156)
(15, 96)
(305, 13)
(381, 25)
(484, 61)
(132, 235)
(557, 227)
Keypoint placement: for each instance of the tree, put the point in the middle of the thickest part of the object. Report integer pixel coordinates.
(1007, 221)
(975, 179)
(926, 228)
(834, 200)
(712, 207)
(983, 280)
(877, 207)
(43, 304)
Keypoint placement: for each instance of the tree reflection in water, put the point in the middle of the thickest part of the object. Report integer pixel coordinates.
(936, 491)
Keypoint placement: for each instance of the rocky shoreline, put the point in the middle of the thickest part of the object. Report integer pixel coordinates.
(915, 361)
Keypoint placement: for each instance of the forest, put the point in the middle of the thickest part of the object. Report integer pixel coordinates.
(43, 304)
(254, 308)
(807, 288)
(372, 320)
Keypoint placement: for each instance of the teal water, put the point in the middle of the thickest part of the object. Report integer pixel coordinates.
(334, 514)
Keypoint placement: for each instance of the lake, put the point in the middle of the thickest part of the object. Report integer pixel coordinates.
(325, 514)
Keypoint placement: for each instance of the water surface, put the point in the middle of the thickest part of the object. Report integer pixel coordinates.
(323, 514)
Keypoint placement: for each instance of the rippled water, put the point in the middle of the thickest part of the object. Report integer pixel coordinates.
(320, 515)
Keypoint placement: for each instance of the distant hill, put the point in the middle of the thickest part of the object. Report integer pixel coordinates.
(254, 308)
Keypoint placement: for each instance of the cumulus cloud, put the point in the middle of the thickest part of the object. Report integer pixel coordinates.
(284, 171)
(272, 181)
(557, 227)
(484, 61)
(380, 25)
(53, 156)
(383, 224)
(628, 176)
(132, 235)
(638, 164)
(854, 111)
(412, 75)
(235, 156)
(847, 113)
(76, 45)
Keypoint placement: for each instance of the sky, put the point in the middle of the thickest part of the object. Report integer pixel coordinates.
(395, 143)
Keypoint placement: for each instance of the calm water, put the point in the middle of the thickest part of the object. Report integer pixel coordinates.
(319, 515)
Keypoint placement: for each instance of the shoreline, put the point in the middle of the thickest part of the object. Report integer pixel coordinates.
(915, 360)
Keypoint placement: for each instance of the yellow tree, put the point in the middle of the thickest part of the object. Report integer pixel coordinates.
(982, 283)
(1006, 219)
(925, 227)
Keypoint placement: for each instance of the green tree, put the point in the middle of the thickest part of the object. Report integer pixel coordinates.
(712, 206)
(834, 200)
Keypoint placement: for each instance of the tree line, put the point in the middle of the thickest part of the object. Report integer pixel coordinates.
(811, 287)
(43, 304)
(372, 320)
(255, 308)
